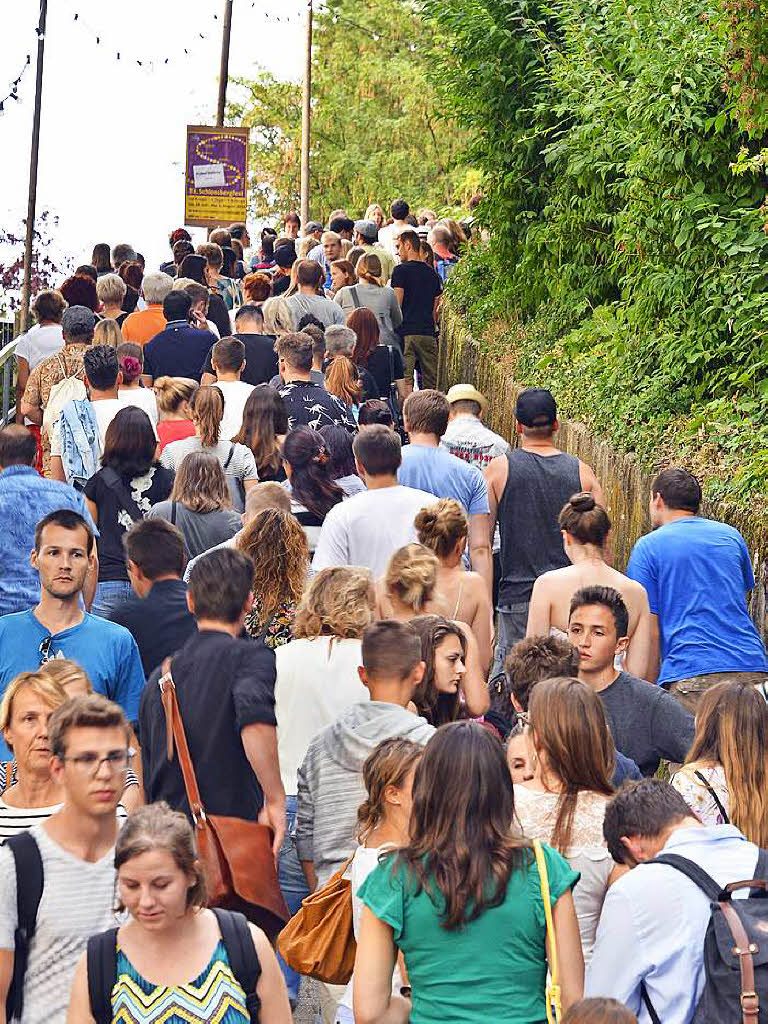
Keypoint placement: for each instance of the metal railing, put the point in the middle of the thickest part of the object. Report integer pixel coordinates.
(7, 374)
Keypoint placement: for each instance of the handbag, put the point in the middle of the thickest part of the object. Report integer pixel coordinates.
(235, 854)
(554, 996)
(319, 940)
(393, 398)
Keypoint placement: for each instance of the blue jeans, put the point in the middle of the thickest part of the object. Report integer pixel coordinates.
(512, 623)
(293, 884)
(109, 595)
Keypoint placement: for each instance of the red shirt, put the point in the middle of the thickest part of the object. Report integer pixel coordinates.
(174, 430)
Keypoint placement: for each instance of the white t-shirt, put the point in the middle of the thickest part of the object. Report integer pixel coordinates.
(37, 344)
(368, 528)
(104, 410)
(236, 394)
(316, 680)
(143, 398)
(78, 901)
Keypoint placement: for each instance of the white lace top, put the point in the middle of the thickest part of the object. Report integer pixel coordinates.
(698, 797)
(587, 853)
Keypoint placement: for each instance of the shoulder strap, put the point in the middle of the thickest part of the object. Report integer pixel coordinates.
(173, 512)
(229, 457)
(29, 892)
(102, 974)
(6, 774)
(242, 955)
(355, 296)
(761, 868)
(174, 733)
(655, 1019)
(698, 875)
(391, 355)
(711, 790)
(115, 483)
(554, 997)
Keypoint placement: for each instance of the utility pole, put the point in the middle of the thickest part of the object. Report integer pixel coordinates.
(26, 285)
(306, 98)
(224, 68)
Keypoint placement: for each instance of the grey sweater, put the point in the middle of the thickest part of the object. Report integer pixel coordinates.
(331, 779)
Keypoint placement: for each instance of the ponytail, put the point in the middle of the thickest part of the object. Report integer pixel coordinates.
(343, 381)
(208, 412)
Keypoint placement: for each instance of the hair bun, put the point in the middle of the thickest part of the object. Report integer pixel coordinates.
(584, 501)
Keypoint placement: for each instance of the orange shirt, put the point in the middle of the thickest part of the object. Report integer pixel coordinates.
(141, 327)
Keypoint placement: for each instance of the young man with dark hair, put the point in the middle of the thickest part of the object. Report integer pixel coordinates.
(179, 350)
(260, 356)
(285, 257)
(25, 499)
(225, 688)
(418, 290)
(698, 573)
(399, 211)
(646, 722)
(527, 487)
(306, 403)
(430, 467)
(157, 617)
(650, 940)
(369, 527)
(74, 849)
(57, 627)
(228, 361)
(292, 225)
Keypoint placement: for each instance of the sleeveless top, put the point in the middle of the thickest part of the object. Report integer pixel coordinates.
(537, 488)
(214, 996)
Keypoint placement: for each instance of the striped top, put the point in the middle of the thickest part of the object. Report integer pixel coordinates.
(213, 997)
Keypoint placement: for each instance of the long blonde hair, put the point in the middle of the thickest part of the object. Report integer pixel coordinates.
(278, 317)
(339, 602)
(732, 731)
(200, 484)
(277, 544)
(172, 392)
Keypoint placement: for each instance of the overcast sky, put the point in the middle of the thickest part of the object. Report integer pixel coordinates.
(113, 133)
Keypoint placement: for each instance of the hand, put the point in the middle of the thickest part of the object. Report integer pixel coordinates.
(273, 815)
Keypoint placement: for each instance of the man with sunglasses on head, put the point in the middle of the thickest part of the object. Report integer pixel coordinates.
(74, 853)
(59, 627)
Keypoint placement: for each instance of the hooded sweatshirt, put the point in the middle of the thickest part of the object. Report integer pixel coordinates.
(330, 779)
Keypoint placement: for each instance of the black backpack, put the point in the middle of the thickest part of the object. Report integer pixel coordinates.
(241, 952)
(29, 892)
(735, 947)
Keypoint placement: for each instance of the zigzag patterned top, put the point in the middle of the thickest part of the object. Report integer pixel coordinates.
(214, 997)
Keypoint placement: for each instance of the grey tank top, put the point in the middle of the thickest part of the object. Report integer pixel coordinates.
(537, 488)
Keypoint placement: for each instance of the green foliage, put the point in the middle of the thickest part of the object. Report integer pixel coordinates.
(633, 257)
(378, 131)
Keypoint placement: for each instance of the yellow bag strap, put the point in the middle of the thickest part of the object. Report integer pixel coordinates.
(554, 998)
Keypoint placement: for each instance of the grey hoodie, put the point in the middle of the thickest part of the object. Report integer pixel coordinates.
(331, 779)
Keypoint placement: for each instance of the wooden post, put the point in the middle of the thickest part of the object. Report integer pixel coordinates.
(306, 99)
(26, 285)
(224, 68)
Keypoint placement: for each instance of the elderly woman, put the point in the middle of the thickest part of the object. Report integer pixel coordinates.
(110, 291)
(31, 794)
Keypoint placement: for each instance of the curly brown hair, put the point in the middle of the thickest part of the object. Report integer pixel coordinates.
(276, 543)
(340, 602)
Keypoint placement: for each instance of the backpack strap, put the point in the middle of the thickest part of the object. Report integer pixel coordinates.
(655, 1019)
(355, 296)
(115, 483)
(229, 457)
(711, 790)
(174, 505)
(29, 892)
(242, 955)
(101, 958)
(697, 875)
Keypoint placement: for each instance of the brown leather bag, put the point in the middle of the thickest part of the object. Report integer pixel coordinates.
(236, 854)
(319, 940)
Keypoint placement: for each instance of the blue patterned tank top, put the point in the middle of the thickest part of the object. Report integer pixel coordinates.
(214, 997)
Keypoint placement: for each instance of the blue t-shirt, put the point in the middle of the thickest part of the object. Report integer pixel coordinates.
(107, 652)
(437, 471)
(25, 499)
(697, 572)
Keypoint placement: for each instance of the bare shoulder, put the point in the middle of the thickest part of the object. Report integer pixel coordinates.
(261, 942)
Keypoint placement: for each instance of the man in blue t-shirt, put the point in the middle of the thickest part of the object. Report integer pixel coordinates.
(58, 627)
(697, 573)
(427, 466)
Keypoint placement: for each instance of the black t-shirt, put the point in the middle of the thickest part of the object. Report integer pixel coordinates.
(421, 286)
(219, 314)
(260, 358)
(222, 685)
(115, 520)
(178, 351)
(378, 367)
(280, 283)
(160, 623)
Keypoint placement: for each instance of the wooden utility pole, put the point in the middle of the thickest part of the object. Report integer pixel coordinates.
(224, 68)
(306, 99)
(26, 285)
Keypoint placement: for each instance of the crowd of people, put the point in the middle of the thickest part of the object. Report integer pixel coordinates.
(258, 570)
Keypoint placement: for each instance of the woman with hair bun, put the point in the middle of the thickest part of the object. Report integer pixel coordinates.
(174, 396)
(585, 527)
(408, 586)
(307, 464)
(130, 392)
(459, 594)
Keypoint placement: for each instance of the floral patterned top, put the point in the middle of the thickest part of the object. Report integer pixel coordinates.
(279, 628)
(700, 798)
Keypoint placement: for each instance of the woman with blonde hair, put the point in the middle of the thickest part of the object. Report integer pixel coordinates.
(278, 317)
(375, 213)
(236, 459)
(408, 585)
(110, 291)
(572, 756)
(174, 395)
(725, 776)
(459, 594)
(199, 504)
(275, 542)
(371, 293)
(107, 332)
(586, 527)
(317, 679)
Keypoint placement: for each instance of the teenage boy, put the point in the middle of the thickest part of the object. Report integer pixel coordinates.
(157, 617)
(228, 361)
(650, 940)
(646, 722)
(57, 627)
(225, 687)
(330, 779)
(89, 743)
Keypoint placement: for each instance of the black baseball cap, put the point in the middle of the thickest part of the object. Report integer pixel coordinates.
(536, 408)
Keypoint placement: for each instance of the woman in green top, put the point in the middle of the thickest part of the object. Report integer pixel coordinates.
(463, 901)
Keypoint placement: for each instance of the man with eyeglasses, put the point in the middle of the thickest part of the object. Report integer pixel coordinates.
(89, 738)
(58, 627)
